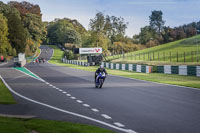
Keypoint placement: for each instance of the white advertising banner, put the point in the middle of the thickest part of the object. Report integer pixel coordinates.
(90, 50)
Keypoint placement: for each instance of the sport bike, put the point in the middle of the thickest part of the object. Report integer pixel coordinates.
(100, 80)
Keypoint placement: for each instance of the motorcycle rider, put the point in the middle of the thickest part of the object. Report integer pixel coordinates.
(101, 69)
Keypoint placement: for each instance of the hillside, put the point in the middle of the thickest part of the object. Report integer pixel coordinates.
(180, 51)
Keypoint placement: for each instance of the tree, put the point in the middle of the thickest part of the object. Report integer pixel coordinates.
(156, 21)
(110, 27)
(61, 31)
(17, 33)
(5, 47)
(25, 8)
(32, 21)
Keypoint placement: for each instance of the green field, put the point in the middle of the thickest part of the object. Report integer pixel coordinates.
(16, 125)
(189, 81)
(5, 95)
(57, 56)
(184, 50)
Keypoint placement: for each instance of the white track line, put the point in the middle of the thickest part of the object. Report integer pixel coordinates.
(119, 124)
(72, 97)
(64, 92)
(86, 105)
(69, 95)
(79, 101)
(106, 116)
(95, 110)
(67, 112)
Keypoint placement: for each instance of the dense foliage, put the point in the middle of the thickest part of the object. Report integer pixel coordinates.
(25, 28)
(156, 33)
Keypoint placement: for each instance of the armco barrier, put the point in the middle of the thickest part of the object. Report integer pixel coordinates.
(191, 70)
(174, 70)
(182, 70)
(130, 67)
(167, 69)
(123, 66)
(160, 69)
(198, 71)
(143, 69)
(138, 68)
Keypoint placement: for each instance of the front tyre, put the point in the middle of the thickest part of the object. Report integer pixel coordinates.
(101, 83)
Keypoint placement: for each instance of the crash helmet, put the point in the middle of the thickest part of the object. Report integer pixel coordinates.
(101, 67)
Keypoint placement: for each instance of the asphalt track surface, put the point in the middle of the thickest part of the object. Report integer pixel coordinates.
(142, 106)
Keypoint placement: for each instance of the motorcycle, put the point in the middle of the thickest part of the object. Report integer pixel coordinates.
(100, 80)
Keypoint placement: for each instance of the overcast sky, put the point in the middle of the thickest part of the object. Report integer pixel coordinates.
(136, 12)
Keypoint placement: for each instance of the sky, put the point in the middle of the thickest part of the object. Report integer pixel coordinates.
(135, 12)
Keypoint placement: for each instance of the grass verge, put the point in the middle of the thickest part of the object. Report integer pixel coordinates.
(181, 52)
(189, 81)
(16, 125)
(5, 95)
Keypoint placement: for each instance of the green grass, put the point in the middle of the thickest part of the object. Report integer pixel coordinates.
(162, 52)
(58, 54)
(189, 81)
(14, 125)
(5, 95)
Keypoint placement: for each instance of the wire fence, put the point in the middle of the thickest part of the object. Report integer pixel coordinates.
(174, 56)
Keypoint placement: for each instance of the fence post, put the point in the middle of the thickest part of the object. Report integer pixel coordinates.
(192, 56)
(164, 56)
(184, 56)
(177, 56)
(153, 56)
(139, 56)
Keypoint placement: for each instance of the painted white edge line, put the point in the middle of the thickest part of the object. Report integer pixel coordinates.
(106, 116)
(65, 111)
(95, 110)
(86, 105)
(68, 95)
(64, 92)
(72, 97)
(79, 101)
(119, 124)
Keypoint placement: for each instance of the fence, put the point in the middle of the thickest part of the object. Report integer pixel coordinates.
(188, 56)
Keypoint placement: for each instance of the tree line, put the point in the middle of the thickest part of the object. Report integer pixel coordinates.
(21, 29)
(156, 33)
